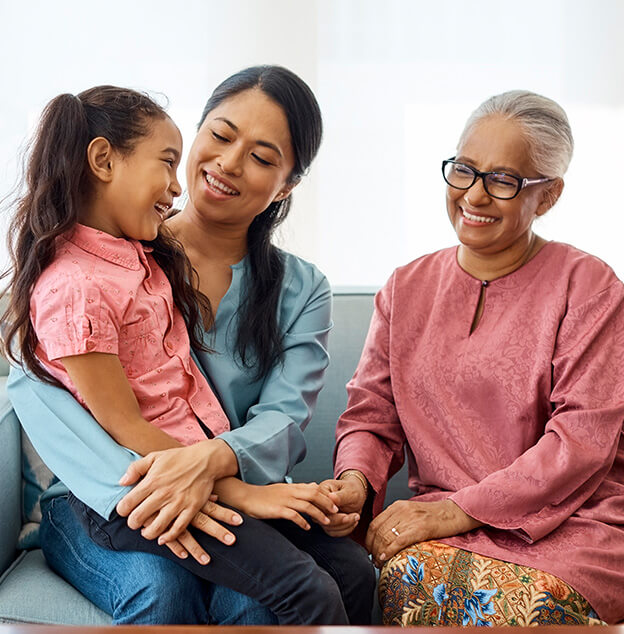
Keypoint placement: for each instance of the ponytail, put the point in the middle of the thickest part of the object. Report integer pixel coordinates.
(54, 183)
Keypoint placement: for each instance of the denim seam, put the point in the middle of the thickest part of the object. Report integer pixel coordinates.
(78, 557)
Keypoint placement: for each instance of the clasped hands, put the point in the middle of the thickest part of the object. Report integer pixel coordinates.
(402, 524)
(176, 488)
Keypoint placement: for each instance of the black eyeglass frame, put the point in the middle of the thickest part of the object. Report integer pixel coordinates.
(522, 182)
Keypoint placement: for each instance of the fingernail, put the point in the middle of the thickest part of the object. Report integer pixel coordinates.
(237, 519)
(204, 559)
(183, 554)
(357, 518)
(382, 557)
(229, 538)
(335, 509)
(161, 541)
(124, 479)
(307, 527)
(326, 520)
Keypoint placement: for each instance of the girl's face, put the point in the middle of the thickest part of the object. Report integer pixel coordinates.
(483, 223)
(143, 184)
(240, 160)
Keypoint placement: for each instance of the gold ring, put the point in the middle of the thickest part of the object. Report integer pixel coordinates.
(394, 531)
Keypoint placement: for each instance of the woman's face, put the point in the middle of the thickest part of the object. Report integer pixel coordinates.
(490, 225)
(240, 160)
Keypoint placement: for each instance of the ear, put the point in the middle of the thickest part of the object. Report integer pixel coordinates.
(285, 191)
(550, 196)
(100, 156)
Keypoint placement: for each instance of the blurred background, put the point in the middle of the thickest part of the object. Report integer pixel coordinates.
(396, 81)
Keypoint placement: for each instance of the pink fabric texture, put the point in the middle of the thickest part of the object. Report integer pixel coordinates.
(520, 422)
(107, 294)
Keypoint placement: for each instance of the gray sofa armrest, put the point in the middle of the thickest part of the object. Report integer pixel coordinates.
(11, 479)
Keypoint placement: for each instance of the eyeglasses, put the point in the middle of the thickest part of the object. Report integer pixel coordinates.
(496, 184)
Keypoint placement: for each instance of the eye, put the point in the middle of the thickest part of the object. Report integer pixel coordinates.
(218, 137)
(170, 162)
(503, 180)
(462, 170)
(261, 160)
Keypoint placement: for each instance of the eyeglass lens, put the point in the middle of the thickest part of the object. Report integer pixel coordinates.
(497, 184)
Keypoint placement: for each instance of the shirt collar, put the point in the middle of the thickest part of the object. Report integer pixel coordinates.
(120, 251)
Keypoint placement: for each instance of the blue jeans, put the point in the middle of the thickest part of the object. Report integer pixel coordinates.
(138, 588)
(304, 577)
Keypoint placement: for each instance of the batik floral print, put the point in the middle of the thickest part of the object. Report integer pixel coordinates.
(435, 584)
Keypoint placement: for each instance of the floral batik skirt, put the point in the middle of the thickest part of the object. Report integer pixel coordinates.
(435, 584)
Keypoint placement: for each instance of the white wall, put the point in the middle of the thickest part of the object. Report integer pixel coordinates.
(395, 81)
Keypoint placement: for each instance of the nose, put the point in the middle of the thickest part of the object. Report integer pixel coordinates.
(230, 160)
(175, 187)
(477, 195)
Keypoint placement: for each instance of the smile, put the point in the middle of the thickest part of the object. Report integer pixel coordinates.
(162, 210)
(474, 218)
(216, 184)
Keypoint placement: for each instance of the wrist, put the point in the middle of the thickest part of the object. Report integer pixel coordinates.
(218, 458)
(359, 484)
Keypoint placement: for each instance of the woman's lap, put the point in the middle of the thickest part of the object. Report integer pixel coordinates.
(435, 584)
(138, 588)
(306, 577)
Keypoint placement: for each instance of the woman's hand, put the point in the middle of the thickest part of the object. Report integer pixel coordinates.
(407, 522)
(174, 485)
(288, 501)
(349, 496)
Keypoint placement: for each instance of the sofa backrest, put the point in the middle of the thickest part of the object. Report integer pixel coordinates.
(352, 313)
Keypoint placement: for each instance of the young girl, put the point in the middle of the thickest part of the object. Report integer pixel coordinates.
(93, 310)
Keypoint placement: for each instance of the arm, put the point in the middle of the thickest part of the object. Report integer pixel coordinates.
(369, 435)
(69, 440)
(551, 480)
(271, 442)
(101, 382)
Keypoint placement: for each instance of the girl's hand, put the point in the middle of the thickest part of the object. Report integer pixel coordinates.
(408, 522)
(349, 495)
(289, 501)
(174, 485)
(186, 544)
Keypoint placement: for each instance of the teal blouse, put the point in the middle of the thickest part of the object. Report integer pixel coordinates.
(267, 415)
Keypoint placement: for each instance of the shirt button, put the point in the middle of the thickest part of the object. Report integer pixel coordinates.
(91, 345)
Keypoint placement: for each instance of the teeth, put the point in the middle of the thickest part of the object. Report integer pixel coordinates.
(477, 218)
(162, 209)
(216, 184)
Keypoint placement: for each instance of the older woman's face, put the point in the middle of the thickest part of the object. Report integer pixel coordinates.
(241, 159)
(482, 223)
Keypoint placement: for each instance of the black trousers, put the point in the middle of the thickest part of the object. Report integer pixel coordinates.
(304, 577)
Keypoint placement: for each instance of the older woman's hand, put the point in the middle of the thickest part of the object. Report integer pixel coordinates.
(407, 522)
(349, 496)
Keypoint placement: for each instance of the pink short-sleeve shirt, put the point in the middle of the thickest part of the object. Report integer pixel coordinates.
(107, 294)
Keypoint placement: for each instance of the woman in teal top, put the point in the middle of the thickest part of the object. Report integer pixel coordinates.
(257, 136)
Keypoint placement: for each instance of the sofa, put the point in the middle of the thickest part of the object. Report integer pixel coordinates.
(30, 592)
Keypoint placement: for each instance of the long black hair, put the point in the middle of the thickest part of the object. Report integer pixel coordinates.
(57, 186)
(258, 333)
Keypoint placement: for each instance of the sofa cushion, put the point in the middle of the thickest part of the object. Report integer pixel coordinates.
(36, 479)
(50, 599)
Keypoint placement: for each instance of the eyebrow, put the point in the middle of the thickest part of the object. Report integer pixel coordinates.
(173, 151)
(267, 144)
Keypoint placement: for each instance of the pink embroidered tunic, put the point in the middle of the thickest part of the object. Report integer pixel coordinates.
(520, 422)
(107, 294)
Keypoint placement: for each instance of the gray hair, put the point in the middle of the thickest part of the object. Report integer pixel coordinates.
(545, 125)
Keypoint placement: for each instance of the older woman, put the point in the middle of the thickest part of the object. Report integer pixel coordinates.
(499, 364)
